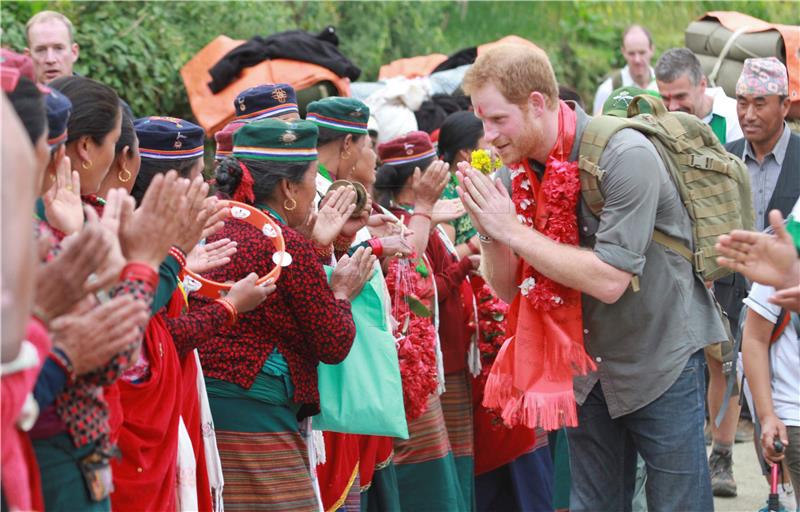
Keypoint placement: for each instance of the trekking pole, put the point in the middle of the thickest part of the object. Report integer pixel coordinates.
(773, 503)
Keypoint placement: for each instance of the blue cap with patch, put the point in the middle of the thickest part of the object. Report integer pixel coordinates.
(59, 108)
(263, 101)
(168, 138)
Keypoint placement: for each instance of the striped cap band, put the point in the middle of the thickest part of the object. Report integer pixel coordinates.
(278, 154)
(55, 141)
(278, 110)
(222, 153)
(337, 124)
(400, 160)
(177, 154)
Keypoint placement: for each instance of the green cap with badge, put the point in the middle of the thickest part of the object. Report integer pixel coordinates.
(278, 140)
(617, 104)
(340, 114)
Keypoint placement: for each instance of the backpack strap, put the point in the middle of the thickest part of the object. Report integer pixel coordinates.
(674, 244)
(616, 79)
(672, 126)
(593, 142)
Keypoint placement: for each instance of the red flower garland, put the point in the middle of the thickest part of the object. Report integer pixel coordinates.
(415, 334)
(559, 190)
(492, 319)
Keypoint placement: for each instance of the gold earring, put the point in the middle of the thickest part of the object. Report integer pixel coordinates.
(288, 208)
(124, 175)
(86, 164)
(345, 155)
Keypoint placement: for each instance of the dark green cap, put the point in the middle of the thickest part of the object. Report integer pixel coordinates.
(275, 139)
(617, 104)
(340, 114)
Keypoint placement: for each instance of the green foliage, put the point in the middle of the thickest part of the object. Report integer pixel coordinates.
(139, 47)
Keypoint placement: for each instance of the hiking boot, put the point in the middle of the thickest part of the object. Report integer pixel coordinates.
(720, 466)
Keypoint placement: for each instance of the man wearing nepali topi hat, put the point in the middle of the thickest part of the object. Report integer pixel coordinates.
(772, 155)
(769, 148)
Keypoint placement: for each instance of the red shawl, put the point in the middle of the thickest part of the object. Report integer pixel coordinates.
(337, 475)
(531, 380)
(145, 478)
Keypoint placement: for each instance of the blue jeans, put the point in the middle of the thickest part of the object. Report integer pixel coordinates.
(668, 433)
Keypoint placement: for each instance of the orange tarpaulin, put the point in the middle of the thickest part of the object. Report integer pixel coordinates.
(412, 67)
(214, 111)
(734, 21)
(423, 65)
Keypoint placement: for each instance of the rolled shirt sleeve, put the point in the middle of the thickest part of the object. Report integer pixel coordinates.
(631, 199)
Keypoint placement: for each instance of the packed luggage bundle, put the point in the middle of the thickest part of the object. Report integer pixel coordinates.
(214, 110)
(722, 41)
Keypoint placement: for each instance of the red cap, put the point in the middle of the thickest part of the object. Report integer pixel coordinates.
(411, 147)
(224, 139)
(12, 66)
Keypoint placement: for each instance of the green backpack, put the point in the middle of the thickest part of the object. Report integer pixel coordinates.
(713, 184)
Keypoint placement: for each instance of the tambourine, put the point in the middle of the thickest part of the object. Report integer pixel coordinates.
(194, 283)
(361, 194)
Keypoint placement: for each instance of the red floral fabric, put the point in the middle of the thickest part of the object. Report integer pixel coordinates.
(194, 327)
(81, 405)
(302, 318)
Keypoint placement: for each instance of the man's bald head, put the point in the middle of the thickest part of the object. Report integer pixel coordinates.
(637, 48)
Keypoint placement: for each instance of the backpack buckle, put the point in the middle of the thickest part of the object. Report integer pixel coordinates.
(700, 161)
(699, 262)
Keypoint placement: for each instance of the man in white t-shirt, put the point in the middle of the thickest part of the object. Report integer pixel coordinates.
(684, 87)
(637, 48)
(773, 375)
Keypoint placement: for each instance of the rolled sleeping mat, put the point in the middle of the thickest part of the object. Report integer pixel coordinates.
(709, 38)
(728, 73)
